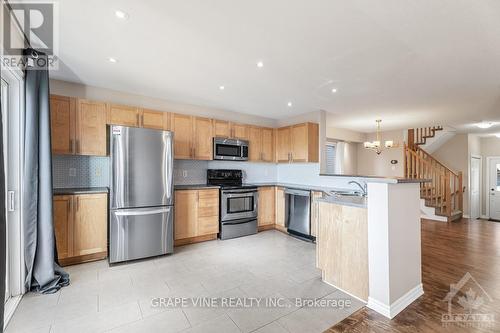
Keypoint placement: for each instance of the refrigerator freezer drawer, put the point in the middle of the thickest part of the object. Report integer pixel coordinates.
(140, 233)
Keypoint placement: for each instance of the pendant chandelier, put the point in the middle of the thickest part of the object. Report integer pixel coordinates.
(376, 145)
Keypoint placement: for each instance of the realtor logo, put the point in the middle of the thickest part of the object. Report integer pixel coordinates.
(30, 23)
(466, 300)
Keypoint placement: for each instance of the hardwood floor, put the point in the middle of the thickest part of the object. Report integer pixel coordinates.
(449, 251)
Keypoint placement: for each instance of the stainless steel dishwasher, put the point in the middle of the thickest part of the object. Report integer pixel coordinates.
(298, 213)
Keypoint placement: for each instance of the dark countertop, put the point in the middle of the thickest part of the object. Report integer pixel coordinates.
(195, 187)
(80, 190)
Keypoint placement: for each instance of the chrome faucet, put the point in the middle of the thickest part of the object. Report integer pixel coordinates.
(364, 189)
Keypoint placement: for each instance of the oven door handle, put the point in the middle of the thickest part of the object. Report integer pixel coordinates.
(238, 194)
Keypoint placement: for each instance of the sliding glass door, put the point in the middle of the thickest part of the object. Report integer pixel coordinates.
(12, 117)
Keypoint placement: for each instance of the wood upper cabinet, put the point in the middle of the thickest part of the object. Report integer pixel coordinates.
(196, 213)
(261, 142)
(267, 212)
(62, 124)
(305, 142)
(155, 119)
(80, 223)
(63, 225)
(255, 143)
(222, 129)
(91, 128)
(283, 144)
(298, 143)
(202, 138)
(239, 131)
(123, 115)
(182, 126)
(267, 149)
(192, 137)
(226, 129)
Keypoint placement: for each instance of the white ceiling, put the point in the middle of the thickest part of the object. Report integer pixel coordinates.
(409, 62)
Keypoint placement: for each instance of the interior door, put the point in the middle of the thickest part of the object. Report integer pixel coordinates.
(4, 101)
(475, 181)
(494, 171)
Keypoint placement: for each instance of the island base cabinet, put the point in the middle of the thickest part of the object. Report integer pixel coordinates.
(80, 223)
(342, 248)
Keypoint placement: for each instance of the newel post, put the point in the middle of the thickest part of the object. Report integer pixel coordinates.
(460, 192)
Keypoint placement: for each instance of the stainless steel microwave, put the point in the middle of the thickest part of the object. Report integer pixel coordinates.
(230, 149)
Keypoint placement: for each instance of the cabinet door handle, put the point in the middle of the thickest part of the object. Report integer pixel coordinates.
(77, 203)
(142, 120)
(77, 146)
(137, 120)
(71, 146)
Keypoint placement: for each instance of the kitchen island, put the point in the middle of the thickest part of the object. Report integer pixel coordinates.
(370, 247)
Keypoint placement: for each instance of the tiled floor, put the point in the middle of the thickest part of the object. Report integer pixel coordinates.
(119, 298)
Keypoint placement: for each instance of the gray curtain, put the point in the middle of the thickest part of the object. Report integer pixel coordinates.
(43, 274)
(2, 220)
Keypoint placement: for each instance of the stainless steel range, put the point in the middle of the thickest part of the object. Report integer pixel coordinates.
(238, 203)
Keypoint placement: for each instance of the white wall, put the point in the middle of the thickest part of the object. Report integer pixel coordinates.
(369, 163)
(107, 95)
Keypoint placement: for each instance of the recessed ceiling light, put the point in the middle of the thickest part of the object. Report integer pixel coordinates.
(484, 124)
(112, 60)
(334, 90)
(222, 87)
(289, 104)
(260, 64)
(121, 15)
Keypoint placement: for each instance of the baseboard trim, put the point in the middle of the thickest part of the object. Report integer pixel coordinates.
(10, 308)
(83, 258)
(466, 216)
(484, 217)
(266, 227)
(391, 311)
(344, 291)
(192, 240)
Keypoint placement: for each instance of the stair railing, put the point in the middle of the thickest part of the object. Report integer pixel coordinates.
(444, 189)
(418, 136)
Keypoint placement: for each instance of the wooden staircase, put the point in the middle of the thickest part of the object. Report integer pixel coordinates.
(444, 191)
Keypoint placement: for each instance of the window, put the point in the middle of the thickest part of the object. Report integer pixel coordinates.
(330, 157)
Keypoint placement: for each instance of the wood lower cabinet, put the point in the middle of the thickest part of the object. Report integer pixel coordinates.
(196, 215)
(342, 247)
(315, 212)
(267, 209)
(280, 208)
(80, 223)
(297, 143)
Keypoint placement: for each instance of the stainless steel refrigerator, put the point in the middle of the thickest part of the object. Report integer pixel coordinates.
(141, 214)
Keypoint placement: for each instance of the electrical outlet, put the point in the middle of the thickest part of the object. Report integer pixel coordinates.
(98, 172)
(72, 172)
(184, 173)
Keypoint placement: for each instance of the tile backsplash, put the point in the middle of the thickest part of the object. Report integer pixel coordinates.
(93, 171)
(80, 171)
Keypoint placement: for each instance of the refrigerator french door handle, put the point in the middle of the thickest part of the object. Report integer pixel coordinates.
(142, 212)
